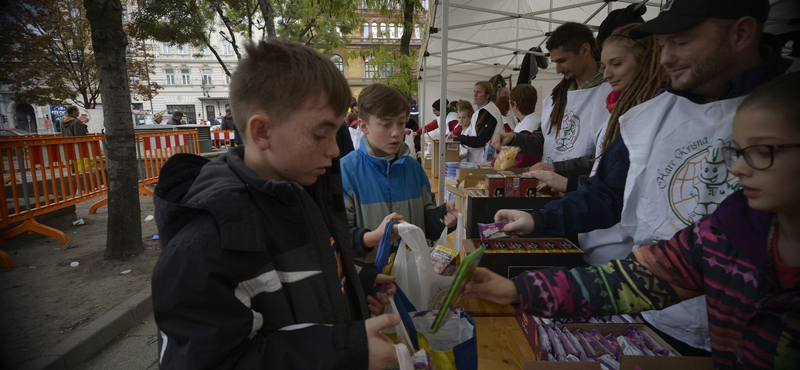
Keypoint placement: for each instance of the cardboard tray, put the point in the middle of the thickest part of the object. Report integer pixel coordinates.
(510, 260)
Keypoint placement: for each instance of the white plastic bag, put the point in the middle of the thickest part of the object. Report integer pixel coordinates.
(414, 271)
(412, 150)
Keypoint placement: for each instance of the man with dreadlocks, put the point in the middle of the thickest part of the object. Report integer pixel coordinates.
(715, 53)
(575, 112)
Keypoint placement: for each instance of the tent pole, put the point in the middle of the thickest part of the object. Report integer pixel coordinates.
(443, 99)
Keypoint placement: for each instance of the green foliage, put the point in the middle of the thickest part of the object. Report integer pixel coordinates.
(47, 53)
(321, 24)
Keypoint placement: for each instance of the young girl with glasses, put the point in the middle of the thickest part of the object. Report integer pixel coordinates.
(745, 257)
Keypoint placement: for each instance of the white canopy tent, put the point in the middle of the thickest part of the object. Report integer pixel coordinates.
(483, 38)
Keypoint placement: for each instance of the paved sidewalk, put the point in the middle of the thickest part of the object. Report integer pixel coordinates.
(135, 314)
(134, 349)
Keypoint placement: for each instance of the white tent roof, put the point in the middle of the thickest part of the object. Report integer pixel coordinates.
(484, 35)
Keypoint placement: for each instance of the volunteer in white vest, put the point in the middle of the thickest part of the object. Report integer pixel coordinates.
(663, 168)
(486, 121)
(632, 69)
(576, 105)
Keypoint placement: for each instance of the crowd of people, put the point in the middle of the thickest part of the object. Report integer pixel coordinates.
(673, 142)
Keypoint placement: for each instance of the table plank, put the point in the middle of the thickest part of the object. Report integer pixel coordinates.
(501, 343)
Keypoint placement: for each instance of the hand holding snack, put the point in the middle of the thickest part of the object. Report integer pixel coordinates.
(519, 222)
(379, 346)
(376, 303)
(502, 138)
(491, 287)
(549, 178)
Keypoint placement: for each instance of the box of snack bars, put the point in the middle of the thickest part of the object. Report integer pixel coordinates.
(445, 260)
(511, 256)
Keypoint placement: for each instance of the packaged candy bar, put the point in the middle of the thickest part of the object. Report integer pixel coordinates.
(568, 346)
(572, 358)
(584, 343)
(501, 246)
(544, 340)
(534, 246)
(634, 338)
(550, 357)
(608, 361)
(602, 340)
(421, 360)
(558, 347)
(492, 230)
(650, 342)
(444, 260)
(573, 342)
(629, 348)
(517, 246)
(612, 341)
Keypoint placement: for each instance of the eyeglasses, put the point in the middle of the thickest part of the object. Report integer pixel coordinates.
(759, 157)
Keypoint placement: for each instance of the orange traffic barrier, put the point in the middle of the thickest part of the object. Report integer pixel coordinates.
(223, 138)
(54, 173)
(153, 150)
(45, 173)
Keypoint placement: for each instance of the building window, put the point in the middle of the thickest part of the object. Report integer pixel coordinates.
(337, 60)
(166, 48)
(185, 77)
(392, 31)
(227, 79)
(226, 47)
(125, 15)
(170, 76)
(207, 76)
(416, 32)
(384, 31)
(183, 49)
(373, 32)
(399, 30)
(137, 106)
(204, 50)
(366, 30)
(387, 70)
(370, 69)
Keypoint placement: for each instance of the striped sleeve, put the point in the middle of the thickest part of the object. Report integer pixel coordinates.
(652, 277)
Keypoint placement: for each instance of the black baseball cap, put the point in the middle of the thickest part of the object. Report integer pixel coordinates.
(678, 15)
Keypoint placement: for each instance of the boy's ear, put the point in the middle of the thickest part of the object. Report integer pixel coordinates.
(362, 124)
(259, 129)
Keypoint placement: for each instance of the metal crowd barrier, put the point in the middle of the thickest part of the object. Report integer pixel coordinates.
(45, 173)
(223, 138)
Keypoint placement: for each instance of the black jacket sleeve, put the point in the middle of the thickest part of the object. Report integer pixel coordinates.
(484, 135)
(574, 167)
(598, 205)
(203, 325)
(433, 222)
(532, 145)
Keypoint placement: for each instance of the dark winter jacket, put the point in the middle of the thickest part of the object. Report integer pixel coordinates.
(598, 204)
(248, 278)
(73, 127)
(754, 323)
(227, 123)
(174, 121)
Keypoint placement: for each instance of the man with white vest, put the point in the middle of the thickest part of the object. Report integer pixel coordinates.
(575, 112)
(486, 121)
(661, 174)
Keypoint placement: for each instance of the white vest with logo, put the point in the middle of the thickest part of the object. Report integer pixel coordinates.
(584, 115)
(470, 154)
(677, 175)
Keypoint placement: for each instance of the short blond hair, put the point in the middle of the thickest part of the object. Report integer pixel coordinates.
(381, 100)
(280, 77)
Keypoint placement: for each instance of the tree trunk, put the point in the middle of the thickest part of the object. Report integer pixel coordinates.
(409, 12)
(269, 17)
(109, 41)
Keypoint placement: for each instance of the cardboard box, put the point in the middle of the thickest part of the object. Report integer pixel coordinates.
(528, 326)
(509, 184)
(510, 257)
(461, 173)
(450, 155)
(495, 185)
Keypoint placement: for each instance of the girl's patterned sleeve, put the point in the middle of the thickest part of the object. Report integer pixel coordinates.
(652, 277)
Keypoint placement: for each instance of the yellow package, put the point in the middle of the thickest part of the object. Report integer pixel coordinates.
(506, 158)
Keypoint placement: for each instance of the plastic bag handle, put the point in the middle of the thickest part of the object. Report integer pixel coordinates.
(403, 306)
(384, 250)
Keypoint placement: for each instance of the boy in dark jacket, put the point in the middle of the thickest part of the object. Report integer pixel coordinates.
(257, 267)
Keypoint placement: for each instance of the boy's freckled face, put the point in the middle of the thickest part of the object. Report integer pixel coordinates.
(775, 189)
(302, 147)
(384, 134)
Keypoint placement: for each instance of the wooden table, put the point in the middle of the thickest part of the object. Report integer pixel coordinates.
(481, 308)
(501, 343)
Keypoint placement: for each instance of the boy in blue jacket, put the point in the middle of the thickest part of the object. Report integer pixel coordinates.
(380, 179)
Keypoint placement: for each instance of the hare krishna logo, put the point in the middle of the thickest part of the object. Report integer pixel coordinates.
(697, 186)
(568, 134)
